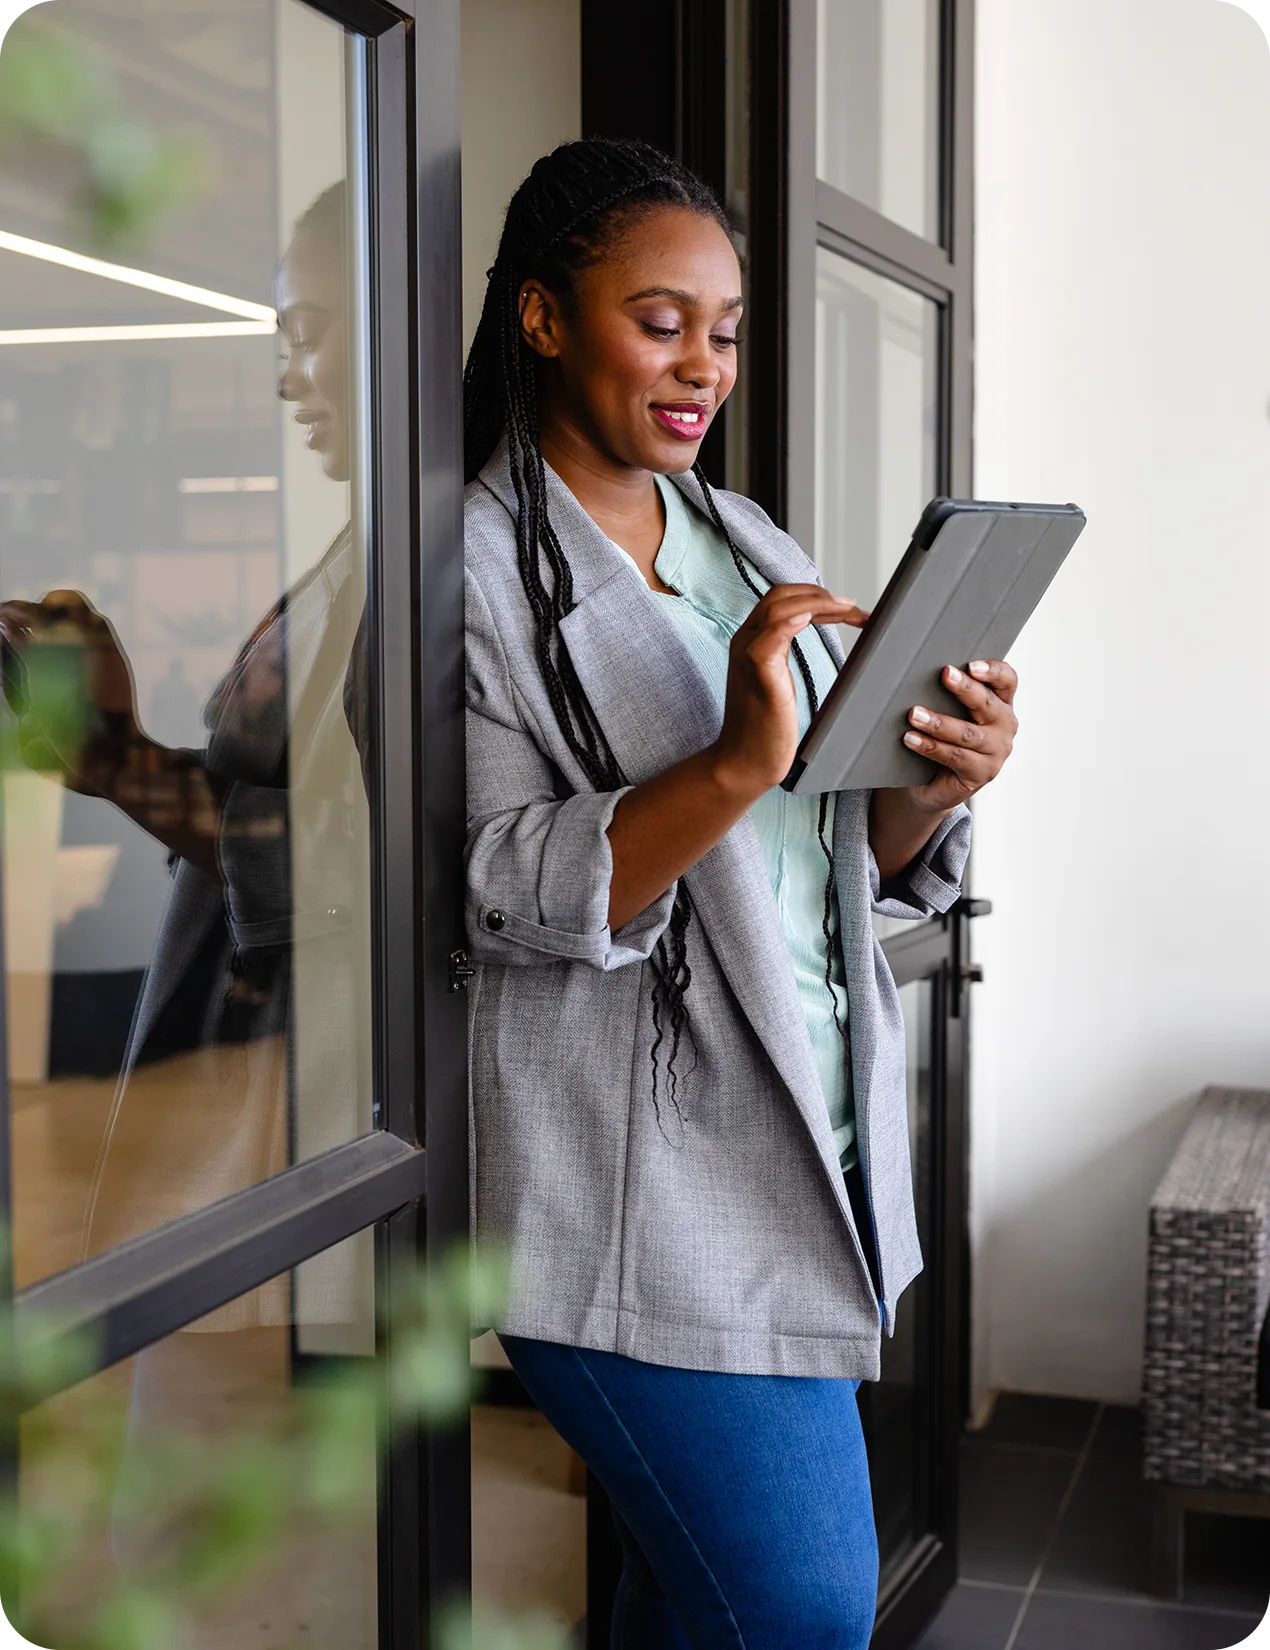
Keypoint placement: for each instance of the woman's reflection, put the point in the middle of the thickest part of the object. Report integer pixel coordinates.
(249, 1045)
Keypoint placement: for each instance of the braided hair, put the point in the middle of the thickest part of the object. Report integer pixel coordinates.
(560, 221)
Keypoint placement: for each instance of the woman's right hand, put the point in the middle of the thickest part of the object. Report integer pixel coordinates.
(760, 735)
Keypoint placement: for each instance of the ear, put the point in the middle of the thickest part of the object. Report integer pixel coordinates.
(540, 319)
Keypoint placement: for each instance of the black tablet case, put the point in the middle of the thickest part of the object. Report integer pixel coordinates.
(963, 590)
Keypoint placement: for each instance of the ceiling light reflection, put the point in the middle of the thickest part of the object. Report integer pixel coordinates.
(137, 277)
(128, 334)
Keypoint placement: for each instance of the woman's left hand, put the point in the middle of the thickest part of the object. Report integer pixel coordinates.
(972, 752)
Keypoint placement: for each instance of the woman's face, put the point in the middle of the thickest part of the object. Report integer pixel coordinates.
(640, 357)
(310, 294)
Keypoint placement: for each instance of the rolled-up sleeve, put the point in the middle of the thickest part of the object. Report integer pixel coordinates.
(538, 863)
(931, 881)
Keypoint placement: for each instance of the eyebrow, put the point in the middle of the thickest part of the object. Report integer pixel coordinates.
(679, 297)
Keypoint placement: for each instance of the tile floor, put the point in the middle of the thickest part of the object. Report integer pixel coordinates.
(1055, 1544)
(528, 1524)
(1056, 1525)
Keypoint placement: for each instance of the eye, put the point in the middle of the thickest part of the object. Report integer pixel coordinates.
(724, 340)
(658, 332)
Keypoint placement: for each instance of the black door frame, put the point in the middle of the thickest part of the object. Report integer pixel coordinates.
(937, 951)
(408, 1178)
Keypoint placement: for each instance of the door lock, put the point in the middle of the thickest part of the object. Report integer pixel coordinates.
(461, 970)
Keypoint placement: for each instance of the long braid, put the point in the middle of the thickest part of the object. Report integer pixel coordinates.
(556, 224)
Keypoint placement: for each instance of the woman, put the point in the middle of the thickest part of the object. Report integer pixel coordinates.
(687, 1050)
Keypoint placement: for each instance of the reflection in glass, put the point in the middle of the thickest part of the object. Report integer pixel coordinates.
(877, 361)
(877, 106)
(186, 837)
(219, 1405)
(895, 1410)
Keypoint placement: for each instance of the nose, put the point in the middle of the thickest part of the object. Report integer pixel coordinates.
(289, 380)
(699, 365)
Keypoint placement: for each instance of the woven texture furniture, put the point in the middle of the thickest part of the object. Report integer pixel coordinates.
(1206, 1443)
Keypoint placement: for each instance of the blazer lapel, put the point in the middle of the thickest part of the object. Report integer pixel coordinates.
(656, 708)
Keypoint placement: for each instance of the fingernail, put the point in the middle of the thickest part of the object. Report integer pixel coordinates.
(979, 667)
(847, 601)
(912, 739)
(920, 715)
(801, 619)
(955, 676)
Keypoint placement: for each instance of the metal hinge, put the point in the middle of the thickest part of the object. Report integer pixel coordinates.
(461, 970)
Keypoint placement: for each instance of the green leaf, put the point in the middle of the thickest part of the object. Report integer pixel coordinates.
(134, 1619)
(55, 93)
(489, 1282)
(459, 1627)
(431, 1376)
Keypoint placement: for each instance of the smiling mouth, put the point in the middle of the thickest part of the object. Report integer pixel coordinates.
(687, 420)
(315, 427)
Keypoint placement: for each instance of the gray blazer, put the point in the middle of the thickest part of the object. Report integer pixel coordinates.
(721, 1239)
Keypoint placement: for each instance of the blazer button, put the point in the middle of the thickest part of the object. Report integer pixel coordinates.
(494, 920)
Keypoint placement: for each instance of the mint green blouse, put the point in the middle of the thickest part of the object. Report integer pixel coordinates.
(711, 604)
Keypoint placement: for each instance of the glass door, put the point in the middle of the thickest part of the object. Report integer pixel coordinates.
(913, 1415)
(877, 422)
(231, 780)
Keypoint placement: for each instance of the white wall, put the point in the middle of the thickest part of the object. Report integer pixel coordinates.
(1123, 361)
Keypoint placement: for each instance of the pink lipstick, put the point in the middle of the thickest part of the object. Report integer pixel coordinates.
(686, 419)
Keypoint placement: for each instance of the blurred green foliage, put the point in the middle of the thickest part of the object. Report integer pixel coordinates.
(204, 1518)
(55, 94)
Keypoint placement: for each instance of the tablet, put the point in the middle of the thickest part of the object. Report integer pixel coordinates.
(963, 590)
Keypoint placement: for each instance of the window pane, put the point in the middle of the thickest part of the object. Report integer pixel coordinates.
(876, 422)
(127, 1465)
(877, 127)
(186, 838)
(896, 1410)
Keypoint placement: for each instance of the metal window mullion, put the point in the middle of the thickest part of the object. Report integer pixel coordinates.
(366, 17)
(393, 592)
(869, 258)
(801, 212)
(961, 312)
(141, 1291)
(916, 259)
(446, 1456)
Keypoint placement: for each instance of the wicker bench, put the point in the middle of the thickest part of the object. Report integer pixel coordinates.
(1206, 1442)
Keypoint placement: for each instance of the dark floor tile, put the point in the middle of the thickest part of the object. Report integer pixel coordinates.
(1048, 1423)
(1103, 1544)
(1119, 1432)
(1055, 1622)
(1227, 1562)
(973, 1618)
(1009, 1504)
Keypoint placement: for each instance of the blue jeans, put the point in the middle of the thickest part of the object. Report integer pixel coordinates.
(742, 1501)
